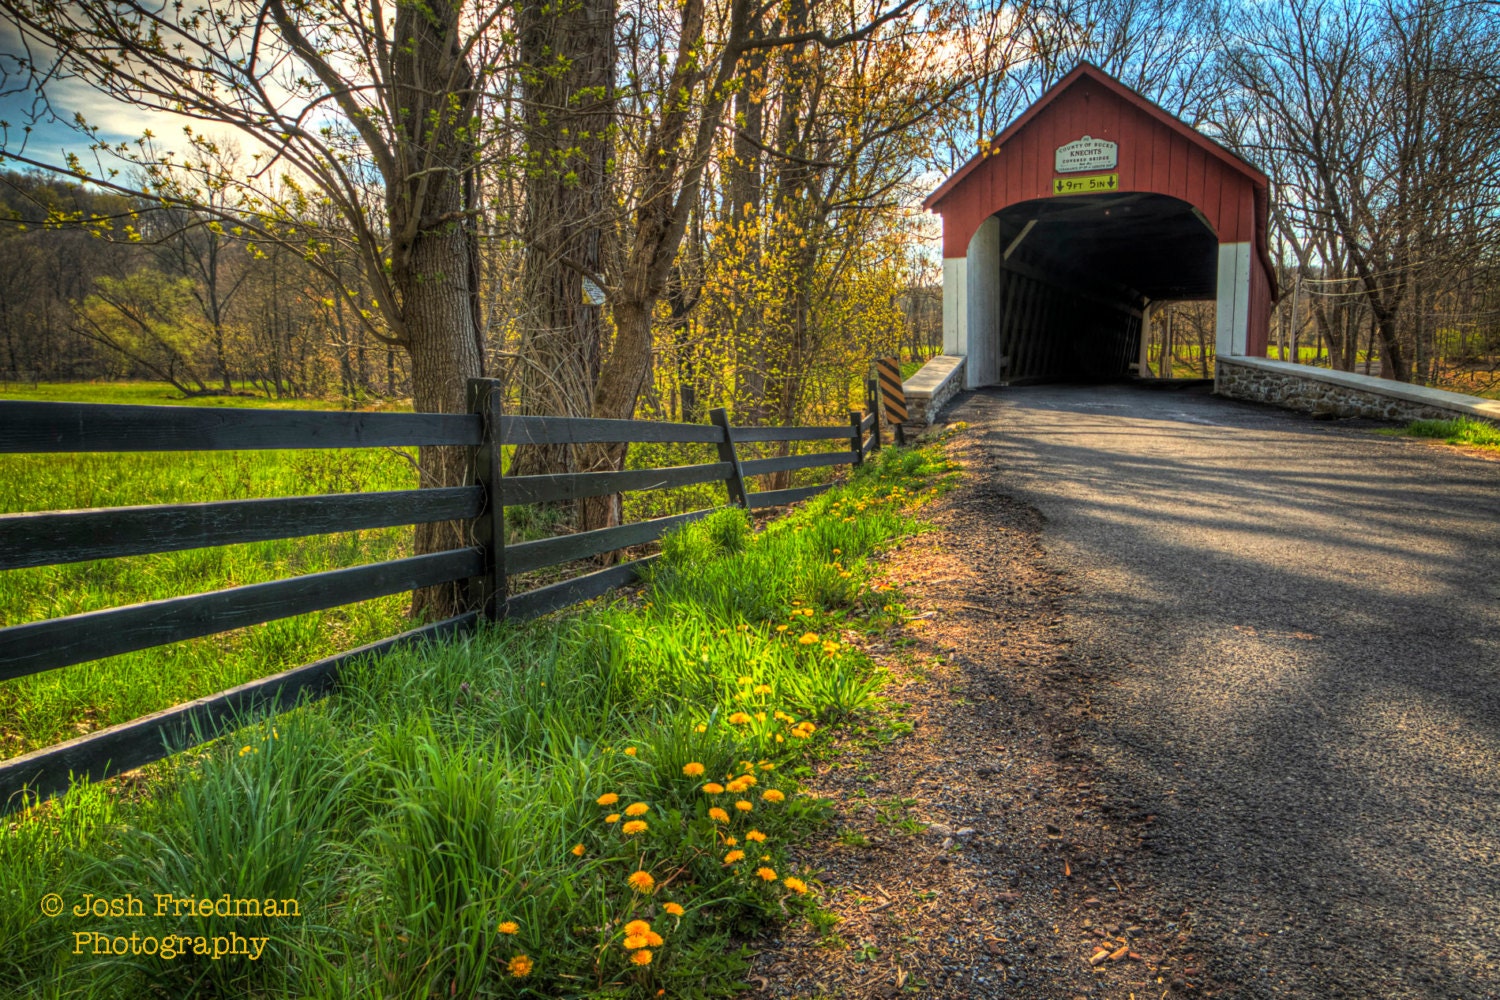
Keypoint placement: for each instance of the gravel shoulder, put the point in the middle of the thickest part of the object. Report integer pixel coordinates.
(1209, 687)
(979, 855)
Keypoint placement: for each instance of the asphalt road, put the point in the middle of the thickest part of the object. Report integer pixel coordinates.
(1299, 625)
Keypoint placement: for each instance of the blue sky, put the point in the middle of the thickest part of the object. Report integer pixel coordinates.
(50, 137)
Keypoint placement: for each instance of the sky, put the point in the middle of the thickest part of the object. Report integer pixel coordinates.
(53, 135)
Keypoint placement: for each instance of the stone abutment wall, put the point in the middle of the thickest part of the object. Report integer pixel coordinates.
(1343, 394)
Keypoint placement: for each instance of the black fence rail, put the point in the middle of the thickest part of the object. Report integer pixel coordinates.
(55, 537)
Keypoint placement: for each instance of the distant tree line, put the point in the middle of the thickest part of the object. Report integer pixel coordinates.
(102, 285)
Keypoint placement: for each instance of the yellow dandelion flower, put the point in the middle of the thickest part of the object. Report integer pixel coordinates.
(637, 809)
(519, 967)
(692, 769)
(734, 856)
(830, 647)
(654, 939)
(845, 575)
(637, 927)
(642, 957)
(756, 836)
(700, 728)
(838, 552)
(578, 850)
(633, 827)
(762, 689)
(746, 680)
(750, 780)
(744, 806)
(630, 751)
(634, 941)
(808, 639)
(796, 885)
(766, 765)
(781, 628)
(736, 786)
(607, 799)
(773, 795)
(739, 718)
(718, 815)
(641, 881)
(674, 909)
(760, 716)
(713, 788)
(612, 818)
(780, 738)
(508, 927)
(768, 874)
(731, 841)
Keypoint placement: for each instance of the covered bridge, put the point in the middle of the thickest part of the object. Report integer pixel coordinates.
(1091, 207)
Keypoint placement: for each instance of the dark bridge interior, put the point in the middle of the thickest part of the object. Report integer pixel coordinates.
(1077, 272)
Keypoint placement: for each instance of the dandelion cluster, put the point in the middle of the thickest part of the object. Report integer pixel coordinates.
(519, 966)
(639, 940)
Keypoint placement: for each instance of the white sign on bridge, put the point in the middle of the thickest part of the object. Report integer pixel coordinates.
(1087, 154)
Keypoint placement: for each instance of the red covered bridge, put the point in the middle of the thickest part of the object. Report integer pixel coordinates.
(1091, 207)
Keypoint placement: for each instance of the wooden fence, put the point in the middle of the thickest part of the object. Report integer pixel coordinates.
(53, 537)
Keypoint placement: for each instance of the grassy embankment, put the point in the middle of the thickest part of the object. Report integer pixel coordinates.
(1474, 433)
(454, 823)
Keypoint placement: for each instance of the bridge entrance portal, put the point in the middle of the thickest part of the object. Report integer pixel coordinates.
(1093, 207)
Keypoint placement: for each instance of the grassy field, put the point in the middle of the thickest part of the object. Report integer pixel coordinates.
(489, 818)
(45, 708)
(154, 394)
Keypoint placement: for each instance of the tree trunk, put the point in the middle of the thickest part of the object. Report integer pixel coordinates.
(444, 355)
(429, 214)
(567, 99)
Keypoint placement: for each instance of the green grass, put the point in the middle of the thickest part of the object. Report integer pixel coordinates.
(1475, 433)
(152, 394)
(443, 791)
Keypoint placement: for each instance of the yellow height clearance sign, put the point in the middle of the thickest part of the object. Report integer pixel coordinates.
(1088, 184)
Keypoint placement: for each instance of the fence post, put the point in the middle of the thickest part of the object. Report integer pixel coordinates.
(857, 417)
(484, 399)
(872, 404)
(735, 482)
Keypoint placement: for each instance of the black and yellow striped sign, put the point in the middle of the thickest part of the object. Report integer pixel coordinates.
(891, 392)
